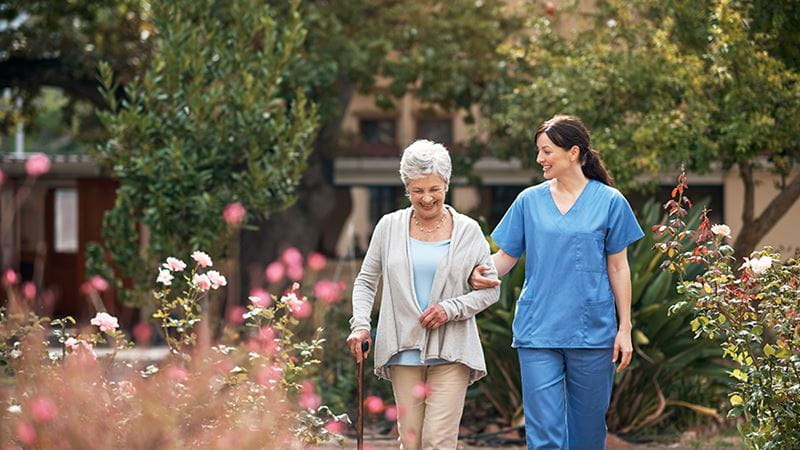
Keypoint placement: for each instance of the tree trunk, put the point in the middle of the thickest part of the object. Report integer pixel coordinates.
(755, 228)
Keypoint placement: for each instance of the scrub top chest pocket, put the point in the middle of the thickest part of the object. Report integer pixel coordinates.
(589, 251)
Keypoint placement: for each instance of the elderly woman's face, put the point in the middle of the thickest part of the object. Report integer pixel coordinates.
(427, 195)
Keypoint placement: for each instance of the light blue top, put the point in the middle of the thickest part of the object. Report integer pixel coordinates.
(566, 300)
(425, 257)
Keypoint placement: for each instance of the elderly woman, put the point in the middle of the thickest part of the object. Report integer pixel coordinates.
(427, 341)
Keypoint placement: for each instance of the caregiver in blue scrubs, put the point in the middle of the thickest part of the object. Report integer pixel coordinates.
(573, 317)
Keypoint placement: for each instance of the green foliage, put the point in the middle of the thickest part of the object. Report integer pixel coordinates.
(502, 387)
(752, 312)
(672, 377)
(216, 118)
(657, 82)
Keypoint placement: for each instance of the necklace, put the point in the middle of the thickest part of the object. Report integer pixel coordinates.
(438, 225)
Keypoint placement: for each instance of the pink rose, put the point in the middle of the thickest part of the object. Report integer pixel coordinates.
(274, 272)
(26, 433)
(43, 409)
(260, 298)
(308, 396)
(420, 391)
(202, 259)
(334, 426)
(37, 164)
(328, 291)
(300, 308)
(142, 333)
(98, 283)
(201, 281)
(374, 404)
(391, 413)
(175, 264)
(317, 261)
(292, 257)
(234, 214)
(235, 315)
(105, 321)
(295, 273)
(11, 277)
(268, 375)
(29, 290)
(177, 373)
(217, 280)
(266, 334)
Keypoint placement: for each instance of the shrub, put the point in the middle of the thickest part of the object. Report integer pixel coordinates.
(752, 309)
(249, 390)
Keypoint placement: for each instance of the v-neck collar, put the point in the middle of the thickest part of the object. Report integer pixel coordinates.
(575, 205)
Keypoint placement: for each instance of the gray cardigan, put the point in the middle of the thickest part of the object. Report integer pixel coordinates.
(399, 329)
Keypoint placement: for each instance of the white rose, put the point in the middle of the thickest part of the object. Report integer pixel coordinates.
(164, 277)
(758, 265)
(721, 230)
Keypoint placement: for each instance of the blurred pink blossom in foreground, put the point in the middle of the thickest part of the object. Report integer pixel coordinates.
(11, 277)
(236, 315)
(142, 333)
(274, 272)
(26, 433)
(420, 391)
(308, 396)
(374, 404)
(234, 214)
(334, 426)
(292, 257)
(328, 291)
(37, 164)
(391, 413)
(43, 409)
(317, 261)
(260, 298)
(29, 290)
(295, 273)
(105, 321)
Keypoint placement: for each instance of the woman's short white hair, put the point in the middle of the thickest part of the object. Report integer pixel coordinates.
(423, 158)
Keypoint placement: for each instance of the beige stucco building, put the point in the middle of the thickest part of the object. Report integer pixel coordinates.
(375, 139)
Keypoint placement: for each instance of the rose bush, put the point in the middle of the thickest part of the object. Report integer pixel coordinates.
(753, 309)
(250, 388)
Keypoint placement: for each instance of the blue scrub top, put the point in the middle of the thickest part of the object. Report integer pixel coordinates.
(566, 300)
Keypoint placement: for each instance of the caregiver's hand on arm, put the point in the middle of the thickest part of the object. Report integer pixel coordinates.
(502, 261)
(433, 317)
(354, 342)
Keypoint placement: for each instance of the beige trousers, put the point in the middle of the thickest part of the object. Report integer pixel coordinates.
(430, 400)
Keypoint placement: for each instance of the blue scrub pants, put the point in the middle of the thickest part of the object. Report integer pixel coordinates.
(566, 393)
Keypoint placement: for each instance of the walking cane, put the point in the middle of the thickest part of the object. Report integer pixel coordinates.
(360, 425)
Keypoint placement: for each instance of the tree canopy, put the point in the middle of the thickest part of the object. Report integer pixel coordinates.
(712, 84)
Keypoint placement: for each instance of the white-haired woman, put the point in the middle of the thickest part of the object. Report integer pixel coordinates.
(427, 341)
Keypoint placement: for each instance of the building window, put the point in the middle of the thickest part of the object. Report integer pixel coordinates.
(385, 199)
(501, 198)
(65, 221)
(436, 130)
(378, 137)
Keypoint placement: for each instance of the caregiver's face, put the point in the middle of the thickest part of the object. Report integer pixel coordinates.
(427, 195)
(554, 160)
